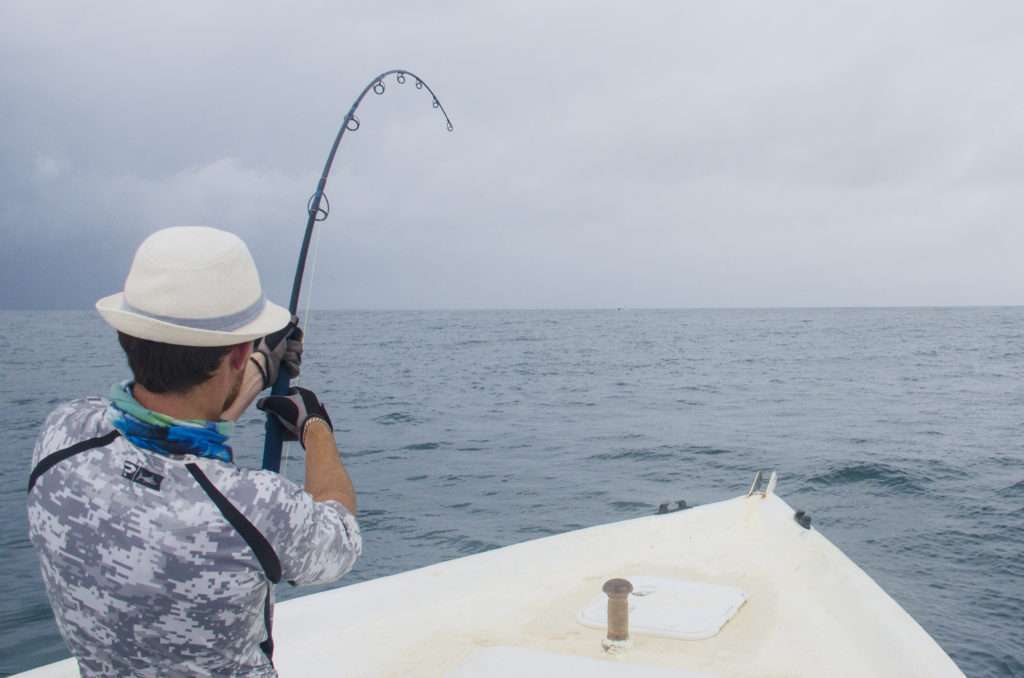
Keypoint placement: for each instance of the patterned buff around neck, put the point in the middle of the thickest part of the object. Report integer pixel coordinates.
(166, 435)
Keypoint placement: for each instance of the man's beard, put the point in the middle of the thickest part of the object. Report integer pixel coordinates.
(236, 388)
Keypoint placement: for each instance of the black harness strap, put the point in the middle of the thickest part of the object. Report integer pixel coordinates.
(254, 538)
(265, 553)
(52, 460)
(267, 646)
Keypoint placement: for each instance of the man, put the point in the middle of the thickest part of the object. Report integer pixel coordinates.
(160, 555)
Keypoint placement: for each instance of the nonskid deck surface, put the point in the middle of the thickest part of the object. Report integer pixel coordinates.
(809, 610)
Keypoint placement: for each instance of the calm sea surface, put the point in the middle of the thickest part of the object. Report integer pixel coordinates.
(899, 430)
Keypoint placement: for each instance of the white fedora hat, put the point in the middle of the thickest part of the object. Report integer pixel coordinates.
(193, 286)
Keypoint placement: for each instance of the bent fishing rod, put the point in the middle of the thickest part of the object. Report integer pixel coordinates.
(318, 208)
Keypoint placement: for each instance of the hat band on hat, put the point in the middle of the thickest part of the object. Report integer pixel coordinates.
(223, 323)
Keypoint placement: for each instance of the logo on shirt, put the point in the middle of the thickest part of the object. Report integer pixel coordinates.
(142, 476)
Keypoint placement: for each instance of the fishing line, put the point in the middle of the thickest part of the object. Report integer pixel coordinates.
(318, 208)
(306, 315)
(309, 294)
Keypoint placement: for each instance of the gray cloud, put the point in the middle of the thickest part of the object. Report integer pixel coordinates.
(725, 154)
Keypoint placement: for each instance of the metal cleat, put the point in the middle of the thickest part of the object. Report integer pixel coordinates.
(762, 486)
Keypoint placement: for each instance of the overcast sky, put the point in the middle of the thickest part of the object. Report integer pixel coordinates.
(661, 154)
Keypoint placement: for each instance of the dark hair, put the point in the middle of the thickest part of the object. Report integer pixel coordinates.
(168, 368)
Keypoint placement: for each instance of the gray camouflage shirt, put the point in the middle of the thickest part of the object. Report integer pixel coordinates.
(145, 574)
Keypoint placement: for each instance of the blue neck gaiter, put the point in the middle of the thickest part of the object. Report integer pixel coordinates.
(166, 435)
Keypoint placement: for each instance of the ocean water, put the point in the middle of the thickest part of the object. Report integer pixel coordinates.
(900, 430)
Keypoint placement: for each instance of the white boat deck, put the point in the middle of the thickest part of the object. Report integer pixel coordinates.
(809, 610)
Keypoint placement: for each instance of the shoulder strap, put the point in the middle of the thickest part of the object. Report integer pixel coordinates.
(265, 553)
(48, 462)
(267, 646)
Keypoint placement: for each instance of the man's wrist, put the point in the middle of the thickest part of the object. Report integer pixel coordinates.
(315, 427)
(259, 359)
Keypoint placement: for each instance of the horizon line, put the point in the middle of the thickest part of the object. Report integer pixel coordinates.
(453, 309)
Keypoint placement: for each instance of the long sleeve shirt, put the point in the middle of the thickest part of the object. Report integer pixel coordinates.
(146, 573)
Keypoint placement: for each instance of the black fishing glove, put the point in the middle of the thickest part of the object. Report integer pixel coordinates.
(294, 411)
(283, 347)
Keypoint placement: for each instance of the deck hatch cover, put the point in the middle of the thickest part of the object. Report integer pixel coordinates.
(671, 608)
(516, 662)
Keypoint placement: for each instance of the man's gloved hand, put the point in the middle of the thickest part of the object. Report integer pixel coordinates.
(294, 411)
(283, 347)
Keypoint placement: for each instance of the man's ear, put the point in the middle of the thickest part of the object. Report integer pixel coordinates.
(239, 354)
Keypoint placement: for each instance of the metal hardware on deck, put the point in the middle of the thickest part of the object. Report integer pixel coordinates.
(618, 591)
(763, 486)
(803, 519)
(666, 506)
(753, 485)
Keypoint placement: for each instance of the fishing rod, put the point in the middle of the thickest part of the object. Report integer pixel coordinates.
(318, 208)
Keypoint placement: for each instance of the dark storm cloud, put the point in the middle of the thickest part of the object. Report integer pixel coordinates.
(664, 155)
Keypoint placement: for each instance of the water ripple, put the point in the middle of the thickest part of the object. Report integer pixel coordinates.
(880, 476)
